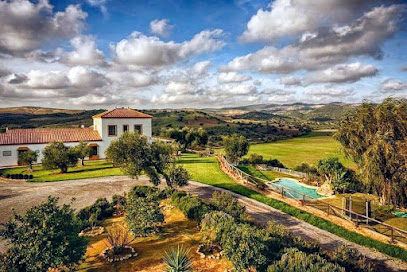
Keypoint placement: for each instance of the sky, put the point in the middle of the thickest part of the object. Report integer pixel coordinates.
(200, 54)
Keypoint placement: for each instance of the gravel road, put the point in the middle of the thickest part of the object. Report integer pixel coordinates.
(21, 196)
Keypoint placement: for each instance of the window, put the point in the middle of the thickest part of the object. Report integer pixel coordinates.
(138, 128)
(125, 128)
(112, 130)
(6, 153)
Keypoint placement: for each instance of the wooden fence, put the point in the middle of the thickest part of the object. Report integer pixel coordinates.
(282, 170)
(395, 234)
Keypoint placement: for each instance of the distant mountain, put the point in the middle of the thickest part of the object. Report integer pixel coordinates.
(36, 110)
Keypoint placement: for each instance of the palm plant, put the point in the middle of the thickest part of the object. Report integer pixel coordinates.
(177, 259)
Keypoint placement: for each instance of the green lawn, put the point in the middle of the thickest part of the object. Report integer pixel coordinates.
(309, 148)
(92, 169)
(206, 170)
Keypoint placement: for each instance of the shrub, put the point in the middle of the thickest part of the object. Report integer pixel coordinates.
(20, 176)
(8, 176)
(351, 259)
(274, 163)
(149, 192)
(46, 236)
(215, 225)
(118, 200)
(26, 176)
(30, 176)
(192, 207)
(295, 260)
(230, 205)
(119, 237)
(178, 260)
(99, 210)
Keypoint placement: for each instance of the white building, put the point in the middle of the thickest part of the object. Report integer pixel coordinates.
(107, 126)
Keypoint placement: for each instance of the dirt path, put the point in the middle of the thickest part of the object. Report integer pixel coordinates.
(22, 196)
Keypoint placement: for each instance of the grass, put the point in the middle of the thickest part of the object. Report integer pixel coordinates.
(92, 169)
(309, 148)
(177, 229)
(206, 170)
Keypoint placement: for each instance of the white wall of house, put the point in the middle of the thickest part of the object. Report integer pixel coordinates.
(99, 124)
(102, 124)
(13, 159)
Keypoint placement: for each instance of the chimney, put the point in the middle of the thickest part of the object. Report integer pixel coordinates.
(6, 129)
(82, 126)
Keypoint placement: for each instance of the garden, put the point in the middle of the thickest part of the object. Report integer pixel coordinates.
(161, 230)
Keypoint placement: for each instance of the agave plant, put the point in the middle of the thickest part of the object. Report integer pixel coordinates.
(177, 259)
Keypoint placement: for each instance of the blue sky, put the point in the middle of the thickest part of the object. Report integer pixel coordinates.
(160, 54)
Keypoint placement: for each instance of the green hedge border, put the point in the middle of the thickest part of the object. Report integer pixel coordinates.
(316, 221)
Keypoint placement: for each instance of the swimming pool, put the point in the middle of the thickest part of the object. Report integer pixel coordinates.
(297, 188)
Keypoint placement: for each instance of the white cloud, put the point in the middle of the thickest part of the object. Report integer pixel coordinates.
(85, 53)
(141, 50)
(46, 80)
(343, 73)
(393, 85)
(281, 92)
(293, 17)
(290, 81)
(131, 79)
(330, 92)
(327, 46)
(232, 77)
(101, 4)
(201, 68)
(26, 26)
(179, 88)
(82, 77)
(161, 27)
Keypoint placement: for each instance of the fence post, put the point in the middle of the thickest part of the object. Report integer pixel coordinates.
(357, 219)
(303, 200)
(392, 235)
(329, 206)
(282, 192)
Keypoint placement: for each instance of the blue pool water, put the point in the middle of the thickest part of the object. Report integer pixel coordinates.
(296, 186)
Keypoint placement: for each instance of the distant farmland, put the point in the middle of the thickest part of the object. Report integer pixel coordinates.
(310, 149)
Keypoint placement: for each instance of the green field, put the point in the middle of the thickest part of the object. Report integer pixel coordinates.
(309, 148)
(92, 169)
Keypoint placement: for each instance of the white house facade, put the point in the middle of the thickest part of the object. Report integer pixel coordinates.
(107, 126)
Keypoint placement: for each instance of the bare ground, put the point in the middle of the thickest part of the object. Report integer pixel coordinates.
(20, 196)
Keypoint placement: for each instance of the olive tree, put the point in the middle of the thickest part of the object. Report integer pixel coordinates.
(46, 236)
(134, 155)
(59, 156)
(27, 158)
(374, 137)
(235, 147)
(83, 150)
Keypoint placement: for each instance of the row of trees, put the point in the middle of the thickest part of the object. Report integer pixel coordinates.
(187, 137)
(56, 156)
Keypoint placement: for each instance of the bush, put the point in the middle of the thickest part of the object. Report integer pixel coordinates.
(99, 210)
(148, 192)
(8, 176)
(30, 176)
(20, 176)
(295, 260)
(274, 163)
(118, 200)
(191, 206)
(143, 214)
(26, 176)
(227, 203)
(351, 259)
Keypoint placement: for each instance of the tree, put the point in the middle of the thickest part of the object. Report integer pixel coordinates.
(336, 174)
(143, 215)
(83, 150)
(374, 137)
(134, 154)
(27, 158)
(59, 156)
(235, 147)
(187, 136)
(46, 236)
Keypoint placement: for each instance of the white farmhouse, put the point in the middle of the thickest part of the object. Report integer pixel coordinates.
(107, 126)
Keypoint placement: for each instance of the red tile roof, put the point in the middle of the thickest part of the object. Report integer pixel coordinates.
(122, 113)
(47, 135)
